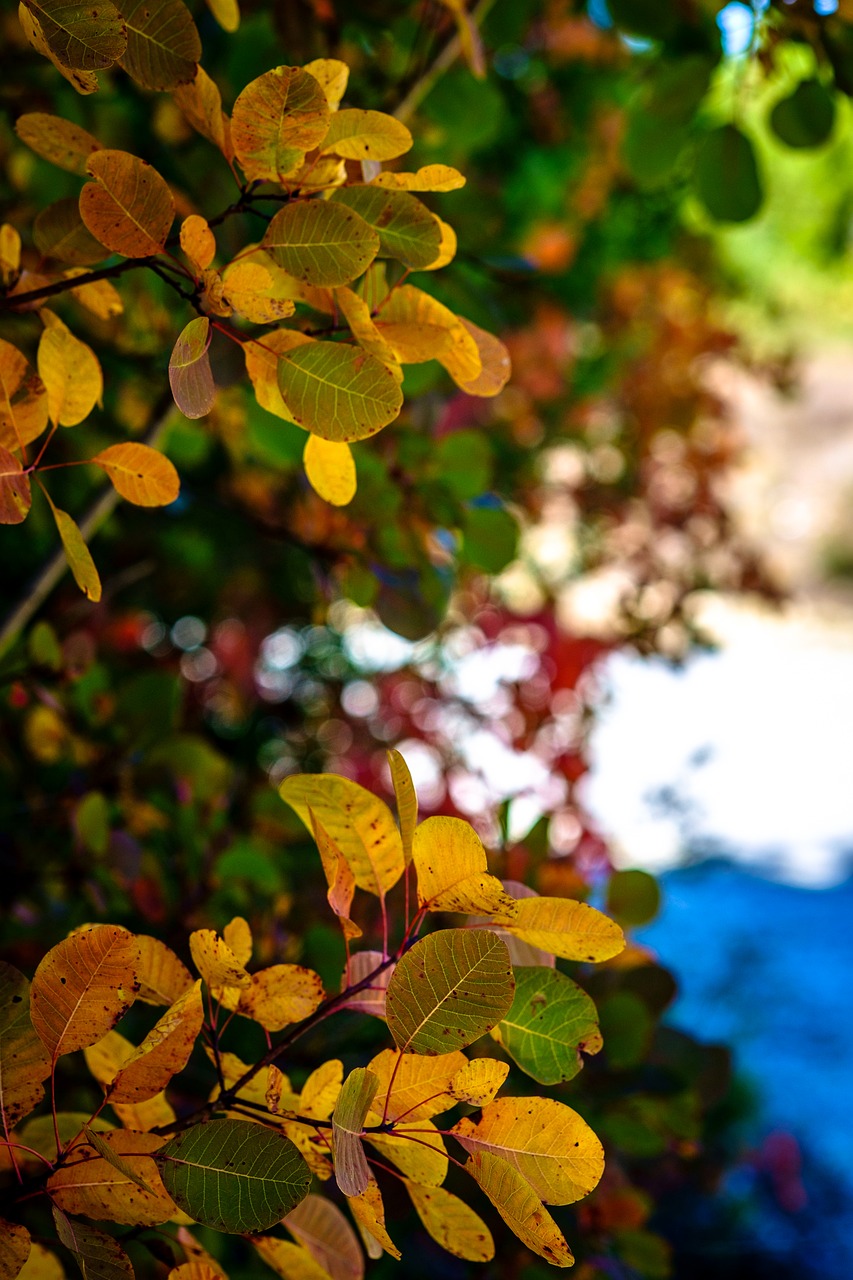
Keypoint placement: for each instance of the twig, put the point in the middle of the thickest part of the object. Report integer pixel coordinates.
(436, 70)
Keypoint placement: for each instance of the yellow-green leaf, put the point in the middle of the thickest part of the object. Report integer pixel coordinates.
(23, 399)
(565, 928)
(201, 103)
(407, 230)
(59, 141)
(357, 315)
(163, 1053)
(338, 391)
(322, 1229)
(14, 1248)
(360, 824)
(281, 995)
(431, 177)
(80, 35)
(142, 475)
(417, 1150)
(332, 75)
(83, 986)
(452, 870)
(84, 82)
(330, 468)
(420, 1087)
(290, 1261)
(546, 1141)
(77, 554)
(550, 1021)
(479, 1080)
(97, 1254)
(128, 207)
(23, 1060)
(59, 232)
(262, 356)
(190, 375)
(369, 1213)
(449, 1221)
(407, 800)
(520, 1207)
(321, 242)
(352, 1173)
(163, 977)
(15, 494)
(98, 296)
(10, 254)
(275, 120)
(70, 372)
(366, 135)
(163, 44)
(216, 962)
(419, 327)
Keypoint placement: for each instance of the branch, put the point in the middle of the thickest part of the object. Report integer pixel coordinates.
(436, 70)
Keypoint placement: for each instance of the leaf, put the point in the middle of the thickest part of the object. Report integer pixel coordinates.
(98, 296)
(23, 1062)
(10, 254)
(83, 986)
(112, 1157)
(237, 935)
(806, 117)
(198, 241)
(520, 1207)
(323, 1230)
(275, 120)
(290, 1261)
(551, 1019)
(83, 81)
(419, 327)
(201, 103)
(452, 870)
(330, 468)
(56, 140)
(70, 372)
(14, 1248)
(448, 990)
(338, 391)
(320, 1091)
(369, 1213)
(360, 824)
(406, 229)
(262, 367)
(417, 1150)
(357, 315)
(366, 135)
(565, 928)
(281, 995)
(420, 1086)
(726, 176)
(128, 207)
(547, 1142)
(42, 1265)
(190, 375)
(23, 400)
(92, 1186)
(332, 76)
(451, 1223)
(407, 800)
(216, 962)
(194, 1252)
(98, 1255)
(370, 999)
(430, 177)
(255, 293)
(234, 1175)
(162, 976)
(321, 242)
(142, 475)
(226, 13)
(351, 1169)
(495, 359)
(479, 1080)
(163, 1053)
(163, 45)
(339, 877)
(77, 554)
(15, 495)
(447, 246)
(81, 36)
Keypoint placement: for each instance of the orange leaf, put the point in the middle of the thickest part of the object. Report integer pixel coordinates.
(83, 986)
(59, 141)
(128, 207)
(140, 474)
(276, 119)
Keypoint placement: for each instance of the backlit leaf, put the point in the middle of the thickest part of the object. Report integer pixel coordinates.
(417, 1150)
(15, 495)
(92, 1186)
(360, 824)
(290, 1261)
(98, 296)
(320, 1091)
(23, 1060)
(448, 990)
(370, 999)
(238, 936)
(804, 118)
(449, 1220)
(198, 241)
(97, 1254)
(352, 1173)
(275, 120)
(420, 1086)
(546, 1141)
(79, 557)
(322, 1228)
(59, 232)
(339, 877)
(163, 977)
(565, 928)
(42, 1265)
(80, 35)
(163, 45)
(332, 75)
(431, 177)
(83, 986)
(281, 995)
(407, 230)
(369, 1213)
(419, 328)
(163, 1052)
(321, 242)
(551, 1019)
(495, 360)
(407, 800)
(262, 356)
(366, 135)
(520, 1207)
(201, 103)
(142, 475)
(452, 870)
(216, 962)
(70, 372)
(479, 1080)
(59, 141)
(226, 13)
(112, 1157)
(256, 293)
(338, 391)
(23, 399)
(190, 375)
(330, 468)
(128, 207)
(14, 1248)
(234, 1175)
(84, 82)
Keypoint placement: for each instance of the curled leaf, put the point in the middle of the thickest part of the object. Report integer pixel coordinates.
(190, 374)
(81, 36)
(352, 1173)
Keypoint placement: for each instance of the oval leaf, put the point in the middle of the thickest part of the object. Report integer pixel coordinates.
(330, 468)
(190, 375)
(452, 870)
(449, 1221)
(478, 1081)
(494, 358)
(276, 119)
(726, 176)
(83, 986)
(77, 554)
(233, 1175)
(281, 995)
(23, 399)
(290, 1261)
(520, 1207)
(320, 1226)
(98, 1255)
(337, 391)
(321, 242)
(352, 1172)
(806, 117)
(366, 135)
(82, 36)
(452, 987)
(70, 372)
(162, 976)
(431, 177)
(140, 474)
(407, 230)
(163, 45)
(128, 207)
(551, 1019)
(566, 928)
(59, 141)
(14, 1248)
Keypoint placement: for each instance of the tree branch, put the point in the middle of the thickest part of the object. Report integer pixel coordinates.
(436, 70)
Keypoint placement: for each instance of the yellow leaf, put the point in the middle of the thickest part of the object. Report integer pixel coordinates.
(15, 494)
(201, 103)
(77, 554)
(83, 986)
(416, 1149)
(320, 242)
(41, 1265)
(360, 824)
(216, 962)
(281, 995)
(520, 1207)
(419, 328)
(448, 1220)
(369, 1212)
(290, 1261)
(98, 296)
(194, 1270)
(194, 1252)
(407, 800)
(313, 1146)
(162, 976)
(10, 254)
(332, 77)
(446, 248)
(431, 177)
(262, 356)
(128, 207)
(59, 141)
(565, 928)
(163, 44)
(106, 1056)
(254, 292)
(139, 473)
(153, 1113)
(357, 315)
(198, 241)
(59, 232)
(83, 81)
(23, 1061)
(546, 1141)
(70, 372)
(320, 1091)
(23, 400)
(275, 120)
(105, 1059)
(226, 13)
(14, 1248)
(330, 468)
(366, 135)
(163, 1053)
(421, 1084)
(354, 1101)
(238, 936)
(452, 870)
(339, 878)
(479, 1080)
(495, 359)
(93, 1187)
(322, 1229)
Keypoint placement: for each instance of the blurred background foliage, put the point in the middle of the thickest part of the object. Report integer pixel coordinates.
(653, 189)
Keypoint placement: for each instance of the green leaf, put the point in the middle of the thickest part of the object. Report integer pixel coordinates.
(806, 117)
(98, 1255)
(80, 35)
(338, 391)
(726, 175)
(233, 1175)
(163, 45)
(321, 242)
(352, 1172)
(633, 896)
(550, 1020)
(451, 988)
(406, 228)
(490, 538)
(407, 800)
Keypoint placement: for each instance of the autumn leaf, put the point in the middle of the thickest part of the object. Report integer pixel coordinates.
(352, 1173)
(226, 13)
(141, 475)
(77, 554)
(99, 297)
(495, 359)
(79, 36)
(366, 135)
(70, 372)
(356, 312)
(419, 327)
(370, 999)
(262, 367)
(237, 936)
(564, 928)
(164, 1051)
(15, 495)
(417, 1149)
(321, 1090)
(83, 986)
(96, 1253)
(23, 400)
(163, 977)
(420, 1087)
(406, 229)
(59, 232)
(275, 120)
(281, 995)
(320, 242)
(163, 45)
(330, 468)
(452, 870)
(337, 391)
(407, 800)
(59, 141)
(288, 1260)
(321, 1228)
(41, 1265)
(216, 962)
(520, 1207)
(190, 375)
(14, 1248)
(201, 103)
(10, 254)
(94, 1187)
(430, 177)
(23, 1060)
(128, 207)
(332, 75)
(479, 1080)
(451, 1223)
(339, 877)
(198, 241)
(85, 82)
(369, 1213)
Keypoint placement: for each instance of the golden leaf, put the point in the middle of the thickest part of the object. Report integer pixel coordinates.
(446, 247)
(226, 13)
(255, 292)
(369, 1213)
(93, 1187)
(452, 870)
(10, 254)
(449, 1221)
(520, 1207)
(407, 800)
(70, 372)
(332, 76)
(421, 1084)
(83, 986)
(41, 1265)
(162, 976)
(416, 1149)
(330, 468)
(98, 296)
(23, 1060)
(320, 1091)
(262, 356)
(366, 135)
(62, 143)
(564, 928)
(357, 315)
(419, 328)
(198, 241)
(431, 177)
(290, 1261)
(77, 554)
(339, 878)
(238, 936)
(479, 1080)
(495, 359)
(216, 962)
(280, 995)
(322, 1229)
(128, 207)
(201, 103)
(163, 1053)
(139, 473)
(23, 400)
(275, 120)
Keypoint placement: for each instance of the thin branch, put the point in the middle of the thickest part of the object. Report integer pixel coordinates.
(436, 70)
